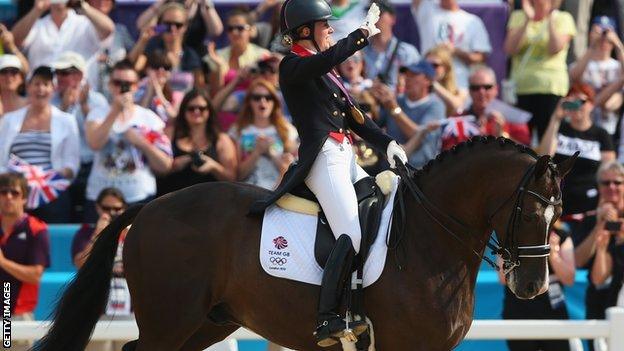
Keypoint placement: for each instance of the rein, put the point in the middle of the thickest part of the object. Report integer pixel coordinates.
(509, 252)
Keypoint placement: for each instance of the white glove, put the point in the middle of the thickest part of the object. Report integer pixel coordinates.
(371, 19)
(395, 150)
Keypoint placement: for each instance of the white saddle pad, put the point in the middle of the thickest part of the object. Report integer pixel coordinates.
(287, 244)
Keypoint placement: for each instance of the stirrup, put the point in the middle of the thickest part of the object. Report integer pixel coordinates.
(327, 335)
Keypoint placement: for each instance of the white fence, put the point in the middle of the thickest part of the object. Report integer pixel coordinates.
(611, 329)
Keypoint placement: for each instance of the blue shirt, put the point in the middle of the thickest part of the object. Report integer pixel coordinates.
(423, 111)
(377, 62)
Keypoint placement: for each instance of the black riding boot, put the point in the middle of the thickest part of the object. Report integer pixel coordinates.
(331, 326)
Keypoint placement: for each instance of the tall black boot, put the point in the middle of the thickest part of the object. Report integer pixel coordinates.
(331, 326)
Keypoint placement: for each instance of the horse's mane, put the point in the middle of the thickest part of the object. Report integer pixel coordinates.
(466, 146)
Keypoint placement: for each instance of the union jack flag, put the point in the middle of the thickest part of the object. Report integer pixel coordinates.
(45, 185)
(457, 130)
(156, 138)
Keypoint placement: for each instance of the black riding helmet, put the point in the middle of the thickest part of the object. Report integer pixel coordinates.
(297, 13)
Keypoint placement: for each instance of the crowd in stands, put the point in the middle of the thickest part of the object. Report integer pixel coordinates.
(103, 120)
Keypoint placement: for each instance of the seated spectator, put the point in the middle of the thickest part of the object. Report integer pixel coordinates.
(42, 135)
(8, 47)
(410, 116)
(570, 130)
(168, 36)
(116, 48)
(75, 96)
(25, 253)
(241, 52)
(386, 53)
(266, 141)
(538, 37)
(445, 85)
(268, 69)
(109, 204)
(11, 84)
(463, 33)
(352, 73)
(550, 305)
(589, 238)
(598, 69)
(129, 143)
(45, 38)
(489, 121)
(155, 91)
(203, 21)
(347, 16)
(201, 152)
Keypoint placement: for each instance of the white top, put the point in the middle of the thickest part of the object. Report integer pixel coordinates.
(464, 30)
(46, 42)
(120, 164)
(63, 131)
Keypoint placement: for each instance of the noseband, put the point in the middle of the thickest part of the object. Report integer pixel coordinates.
(510, 252)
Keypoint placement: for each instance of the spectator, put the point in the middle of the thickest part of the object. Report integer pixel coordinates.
(168, 36)
(490, 121)
(550, 305)
(266, 141)
(352, 72)
(63, 29)
(7, 46)
(155, 92)
(11, 84)
(129, 143)
(44, 136)
(25, 253)
(417, 114)
(598, 69)
(203, 21)
(75, 96)
(241, 53)
(571, 130)
(201, 152)
(445, 85)
(463, 33)
(538, 37)
(116, 49)
(586, 234)
(268, 33)
(387, 53)
(268, 69)
(109, 204)
(347, 16)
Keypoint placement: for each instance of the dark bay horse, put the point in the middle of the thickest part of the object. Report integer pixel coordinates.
(192, 266)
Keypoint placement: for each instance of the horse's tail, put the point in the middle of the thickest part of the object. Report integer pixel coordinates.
(85, 298)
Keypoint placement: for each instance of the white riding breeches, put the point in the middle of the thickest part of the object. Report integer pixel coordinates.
(331, 179)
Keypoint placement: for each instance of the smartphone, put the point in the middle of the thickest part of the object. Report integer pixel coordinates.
(197, 159)
(613, 226)
(161, 28)
(572, 105)
(124, 87)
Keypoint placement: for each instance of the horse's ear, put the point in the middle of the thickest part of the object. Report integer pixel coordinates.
(566, 165)
(541, 166)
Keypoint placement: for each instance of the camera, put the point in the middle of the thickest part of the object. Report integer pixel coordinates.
(613, 226)
(572, 105)
(196, 159)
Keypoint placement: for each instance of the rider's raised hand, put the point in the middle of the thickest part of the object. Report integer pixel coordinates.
(371, 19)
(395, 150)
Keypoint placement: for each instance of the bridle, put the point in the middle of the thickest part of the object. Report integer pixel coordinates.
(510, 252)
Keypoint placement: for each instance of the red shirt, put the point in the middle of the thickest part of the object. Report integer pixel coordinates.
(27, 244)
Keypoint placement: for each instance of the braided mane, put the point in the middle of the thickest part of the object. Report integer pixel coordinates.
(464, 147)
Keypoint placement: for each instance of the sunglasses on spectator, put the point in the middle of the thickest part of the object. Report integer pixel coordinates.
(120, 82)
(609, 182)
(112, 209)
(13, 192)
(477, 87)
(11, 71)
(193, 108)
(258, 97)
(239, 28)
(172, 24)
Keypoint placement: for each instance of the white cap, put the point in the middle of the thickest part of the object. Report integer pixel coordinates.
(10, 61)
(70, 59)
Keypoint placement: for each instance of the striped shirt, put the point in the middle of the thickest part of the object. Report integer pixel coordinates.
(34, 147)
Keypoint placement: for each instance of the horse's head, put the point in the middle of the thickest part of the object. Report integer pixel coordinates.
(523, 226)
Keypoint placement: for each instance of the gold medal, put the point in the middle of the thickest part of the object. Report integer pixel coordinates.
(357, 115)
